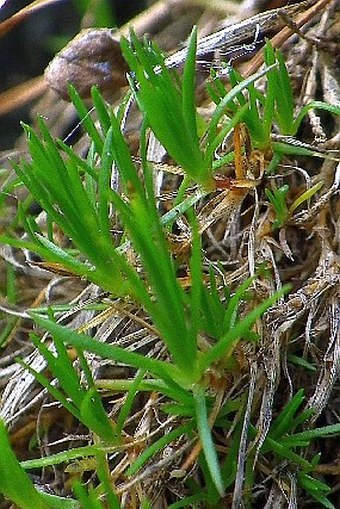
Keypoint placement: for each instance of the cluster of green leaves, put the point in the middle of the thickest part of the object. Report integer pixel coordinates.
(273, 111)
(78, 198)
(81, 401)
(277, 198)
(27, 496)
(188, 140)
(284, 440)
(269, 112)
(282, 444)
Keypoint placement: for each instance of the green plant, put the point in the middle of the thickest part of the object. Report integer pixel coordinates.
(187, 138)
(202, 324)
(277, 198)
(284, 441)
(13, 475)
(261, 112)
(82, 402)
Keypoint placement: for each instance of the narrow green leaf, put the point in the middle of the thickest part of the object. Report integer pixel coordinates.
(316, 489)
(311, 434)
(104, 190)
(86, 119)
(92, 414)
(62, 457)
(55, 502)
(14, 482)
(116, 353)
(271, 91)
(241, 327)
(206, 440)
(88, 500)
(102, 110)
(305, 196)
(157, 446)
(284, 451)
(315, 105)
(128, 402)
(188, 87)
(284, 98)
(227, 100)
(282, 423)
(104, 475)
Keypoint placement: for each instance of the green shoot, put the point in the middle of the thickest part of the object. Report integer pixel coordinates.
(13, 475)
(262, 112)
(277, 198)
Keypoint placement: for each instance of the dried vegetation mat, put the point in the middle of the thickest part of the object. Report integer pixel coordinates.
(175, 300)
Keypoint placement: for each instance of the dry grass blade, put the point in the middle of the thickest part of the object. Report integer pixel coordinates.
(18, 96)
(18, 17)
(279, 39)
